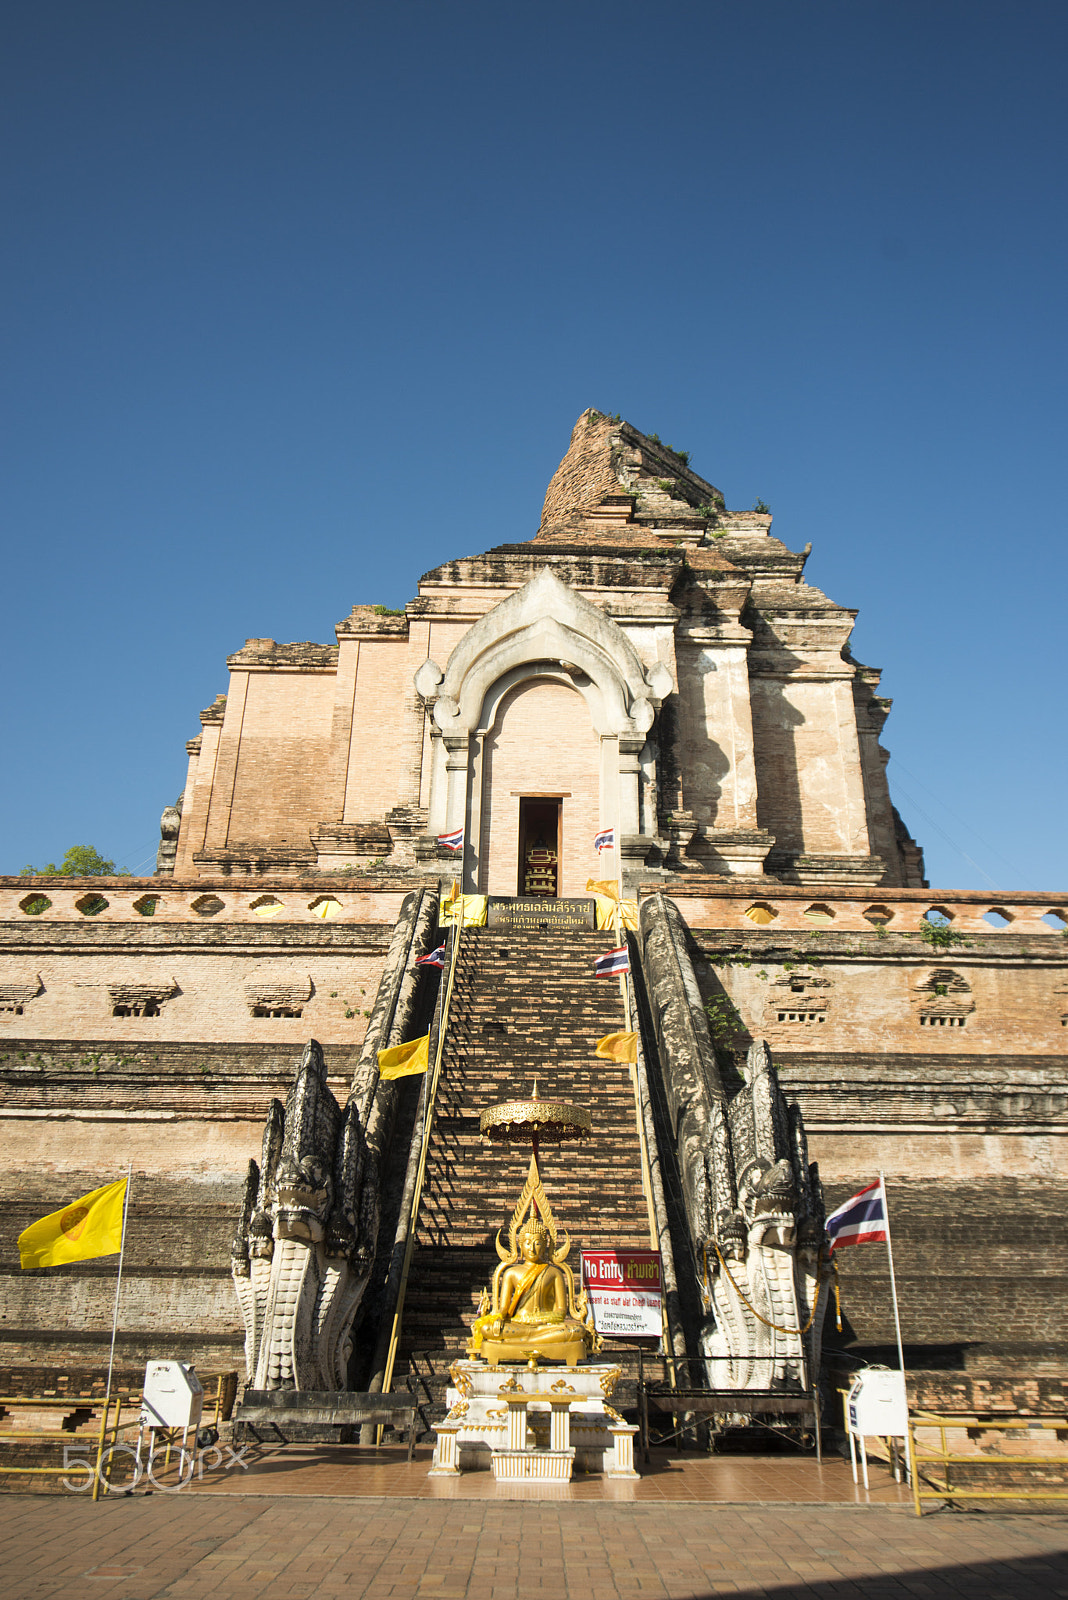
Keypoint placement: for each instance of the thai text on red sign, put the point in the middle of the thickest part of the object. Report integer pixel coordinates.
(621, 1269)
(624, 1291)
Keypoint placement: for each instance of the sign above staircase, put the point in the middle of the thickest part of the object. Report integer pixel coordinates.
(534, 913)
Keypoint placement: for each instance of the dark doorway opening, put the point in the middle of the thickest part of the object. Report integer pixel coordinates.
(539, 847)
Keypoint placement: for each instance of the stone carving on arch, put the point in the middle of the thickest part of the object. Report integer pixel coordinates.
(544, 629)
(545, 621)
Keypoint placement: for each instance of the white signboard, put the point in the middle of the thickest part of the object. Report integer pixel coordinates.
(624, 1292)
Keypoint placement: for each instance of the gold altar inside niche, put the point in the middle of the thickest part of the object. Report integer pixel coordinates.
(540, 846)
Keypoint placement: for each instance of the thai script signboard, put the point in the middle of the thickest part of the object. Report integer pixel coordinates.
(534, 913)
(624, 1292)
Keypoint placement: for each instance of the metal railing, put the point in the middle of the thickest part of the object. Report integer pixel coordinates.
(690, 1397)
(929, 1458)
(112, 1424)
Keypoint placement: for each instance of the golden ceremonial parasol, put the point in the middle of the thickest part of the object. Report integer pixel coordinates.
(516, 1121)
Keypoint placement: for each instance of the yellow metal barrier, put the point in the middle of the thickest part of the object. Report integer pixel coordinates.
(107, 1436)
(928, 1458)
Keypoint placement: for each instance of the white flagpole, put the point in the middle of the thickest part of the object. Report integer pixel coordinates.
(893, 1280)
(114, 1325)
(897, 1316)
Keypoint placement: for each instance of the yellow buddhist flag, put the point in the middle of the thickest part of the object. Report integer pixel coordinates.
(404, 1060)
(604, 886)
(618, 1047)
(91, 1226)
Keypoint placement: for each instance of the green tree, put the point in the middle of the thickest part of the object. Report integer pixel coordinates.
(80, 861)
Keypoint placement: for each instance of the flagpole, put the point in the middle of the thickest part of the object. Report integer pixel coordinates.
(897, 1315)
(624, 989)
(114, 1328)
(893, 1279)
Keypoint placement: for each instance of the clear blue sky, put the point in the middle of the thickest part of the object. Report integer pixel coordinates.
(300, 300)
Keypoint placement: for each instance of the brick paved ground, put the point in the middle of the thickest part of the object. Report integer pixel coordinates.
(239, 1546)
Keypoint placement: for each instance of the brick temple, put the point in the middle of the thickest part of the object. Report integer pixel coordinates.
(648, 661)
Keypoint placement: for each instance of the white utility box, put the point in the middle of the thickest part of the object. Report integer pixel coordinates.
(876, 1404)
(173, 1396)
(877, 1407)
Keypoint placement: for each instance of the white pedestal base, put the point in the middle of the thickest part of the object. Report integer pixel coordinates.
(532, 1466)
(477, 1427)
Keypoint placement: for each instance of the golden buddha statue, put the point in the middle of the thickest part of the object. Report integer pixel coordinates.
(531, 1309)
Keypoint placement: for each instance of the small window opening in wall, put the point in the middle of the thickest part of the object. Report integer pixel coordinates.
(277, 1011)
(326, 906)
(34, 905)
(136, 1008)
(821, 915)
(10, 1008)
(207, 905)
(1052, 919)
(878, 916)
(146, 905)
(268, 905)
(91, 905)
(802, 1016)
(996, 918)
(937, 916)
(761, 915)
(942, 1022)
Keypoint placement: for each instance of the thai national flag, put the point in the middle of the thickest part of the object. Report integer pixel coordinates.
(433, 958)
(862, 1220)
(452, 841)
(613, 964)
(605, 840)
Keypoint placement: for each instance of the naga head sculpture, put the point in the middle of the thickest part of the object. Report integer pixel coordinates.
(303, 1191)
(768, 1198)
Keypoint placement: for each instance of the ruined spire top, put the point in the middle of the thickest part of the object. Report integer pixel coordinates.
(613, 473)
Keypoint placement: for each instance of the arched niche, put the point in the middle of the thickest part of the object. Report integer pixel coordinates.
(544, 630)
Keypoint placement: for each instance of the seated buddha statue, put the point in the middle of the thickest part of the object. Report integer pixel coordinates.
(533, 1311)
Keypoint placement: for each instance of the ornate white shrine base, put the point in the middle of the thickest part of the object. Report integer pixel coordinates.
(525, 1424)
(532, 1466)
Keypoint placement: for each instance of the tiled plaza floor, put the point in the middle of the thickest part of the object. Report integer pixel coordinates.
(669, 1476)
(243, 1547)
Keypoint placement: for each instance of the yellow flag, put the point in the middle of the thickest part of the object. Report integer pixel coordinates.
(405, 1060)
(606, 886)
(618, 1047)
(91, 1226)
(469, 910)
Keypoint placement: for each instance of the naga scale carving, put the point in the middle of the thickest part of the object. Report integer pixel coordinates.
(766, 1261)
(305, 1241)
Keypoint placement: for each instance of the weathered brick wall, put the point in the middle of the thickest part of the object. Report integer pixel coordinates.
(378, 753)
(280, 788)
(586, 473)
(715, 753)
(980, 1274)
(809, 786)
(189, 1117)
(879, 1087)
(181, 1095)
(177, 1295)
(218, 971)
(543, 743)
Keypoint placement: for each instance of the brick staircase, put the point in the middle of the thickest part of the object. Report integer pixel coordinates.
(523, 1004)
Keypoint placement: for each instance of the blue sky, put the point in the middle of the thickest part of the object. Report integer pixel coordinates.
(298, 301)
